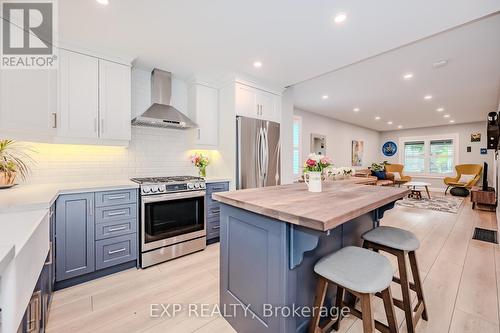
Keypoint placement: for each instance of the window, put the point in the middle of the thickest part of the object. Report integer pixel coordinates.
(433, 155)
(297, 128)
(414, 159)
(441, 158)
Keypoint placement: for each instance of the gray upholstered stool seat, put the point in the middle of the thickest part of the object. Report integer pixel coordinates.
(393, 237)
(356, 269)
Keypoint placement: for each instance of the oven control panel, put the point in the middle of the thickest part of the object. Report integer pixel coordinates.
(169, 188)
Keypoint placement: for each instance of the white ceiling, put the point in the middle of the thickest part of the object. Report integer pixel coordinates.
(294, 39)
(468, 87)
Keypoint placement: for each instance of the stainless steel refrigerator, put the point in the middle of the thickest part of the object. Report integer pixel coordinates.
(258, 153)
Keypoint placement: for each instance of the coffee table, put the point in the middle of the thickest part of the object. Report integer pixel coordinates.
(415, 192)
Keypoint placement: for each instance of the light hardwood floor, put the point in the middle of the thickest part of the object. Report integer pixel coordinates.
(461, 279)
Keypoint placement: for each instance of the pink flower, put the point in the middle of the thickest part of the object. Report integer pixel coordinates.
(310, 163)
(326, 161)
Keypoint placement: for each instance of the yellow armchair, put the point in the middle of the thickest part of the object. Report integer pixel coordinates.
(398, 168)
(464, 169)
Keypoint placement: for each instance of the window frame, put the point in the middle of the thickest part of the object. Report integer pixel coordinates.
(427, 145)
(299, 148)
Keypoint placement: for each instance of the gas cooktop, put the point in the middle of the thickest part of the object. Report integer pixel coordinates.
(159, 185)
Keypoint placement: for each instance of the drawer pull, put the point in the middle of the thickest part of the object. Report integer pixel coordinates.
(215, 211)
(117, 229)
(218, 189)
(116, 197)
(117, 251)
(216, 227)
(122, 212)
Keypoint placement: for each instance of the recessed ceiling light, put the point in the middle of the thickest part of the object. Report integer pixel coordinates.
(400, 126)
(340, 18)
(355, 109)
(389, 123)
(377, 118)
(446, 116)
(408, 76)
(428, 97)
(441, 109)
(324, 96)
(103, 2)
(452, 121)
(257, 64)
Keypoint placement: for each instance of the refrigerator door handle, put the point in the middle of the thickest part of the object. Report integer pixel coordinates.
(259, 157)
(266, 155)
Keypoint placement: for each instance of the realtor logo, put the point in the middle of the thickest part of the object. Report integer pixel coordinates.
(27, 35)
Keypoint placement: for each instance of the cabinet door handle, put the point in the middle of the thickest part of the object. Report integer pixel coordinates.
(122, 212)
(116, 197)
(117, 251)
(91, 207)
(34, 313)
(54, 120)
(117, 229)
(49, 262)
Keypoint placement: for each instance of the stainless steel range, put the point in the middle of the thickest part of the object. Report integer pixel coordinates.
(172, 217)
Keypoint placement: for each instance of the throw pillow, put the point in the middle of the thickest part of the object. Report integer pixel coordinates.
(397, 176)
(466, 178)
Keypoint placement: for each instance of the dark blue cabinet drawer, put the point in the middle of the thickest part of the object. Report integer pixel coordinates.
(115, 213)
(213, 211)
(213, 227)
(217, 187)
(118, 197)
(113, 251)
(115, 228)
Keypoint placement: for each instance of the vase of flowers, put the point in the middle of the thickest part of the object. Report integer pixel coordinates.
(201, 162)
(13, 162)
(313, 171)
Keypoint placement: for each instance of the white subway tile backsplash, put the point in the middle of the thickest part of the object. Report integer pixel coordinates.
(152, 152)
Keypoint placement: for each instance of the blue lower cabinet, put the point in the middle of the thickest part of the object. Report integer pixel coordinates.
(94, 233)
(212, 210)
(113, 251)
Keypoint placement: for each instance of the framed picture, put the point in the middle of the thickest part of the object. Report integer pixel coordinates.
(475, 137)
(389, 148)
(357, 153)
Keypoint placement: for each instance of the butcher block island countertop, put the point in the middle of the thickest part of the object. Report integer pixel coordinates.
(340, 201)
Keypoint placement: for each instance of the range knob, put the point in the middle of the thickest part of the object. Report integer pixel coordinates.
(161, 188)
(197, 185)
(146, 189)
(202, 185)
(190, 186)
(154, 189)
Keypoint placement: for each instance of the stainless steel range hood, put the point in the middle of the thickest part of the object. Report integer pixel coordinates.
(161, 113)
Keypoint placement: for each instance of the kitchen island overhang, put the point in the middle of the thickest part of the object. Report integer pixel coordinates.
(272, 237)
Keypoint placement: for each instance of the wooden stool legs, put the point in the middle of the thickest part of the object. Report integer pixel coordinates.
(412, 315)
(366, 313)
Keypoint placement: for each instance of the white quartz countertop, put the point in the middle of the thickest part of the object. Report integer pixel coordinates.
(7, 253)
(216, 180)
(41, 196)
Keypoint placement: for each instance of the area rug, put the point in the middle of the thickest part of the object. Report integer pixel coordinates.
(442, 204)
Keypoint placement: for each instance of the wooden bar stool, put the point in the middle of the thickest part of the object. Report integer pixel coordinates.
(361, 272)
(399, 243)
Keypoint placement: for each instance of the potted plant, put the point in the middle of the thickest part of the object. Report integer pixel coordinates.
(313, 171)
(201, 162)
(13, 162)
(378, 170)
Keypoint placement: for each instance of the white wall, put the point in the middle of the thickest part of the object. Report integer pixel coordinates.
(287, 137)
(463, 130)
(339, 136)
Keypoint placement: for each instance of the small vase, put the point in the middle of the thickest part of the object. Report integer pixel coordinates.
(313, 181)
(203, 172)
(7, 178)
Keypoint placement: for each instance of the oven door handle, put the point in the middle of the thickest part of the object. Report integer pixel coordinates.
(172, 196)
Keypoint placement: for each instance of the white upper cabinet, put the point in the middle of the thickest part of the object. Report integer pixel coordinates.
(94, 99)
(114, 101)
(78, 95)
(28, 103)
(204, 110)
(256, 103)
